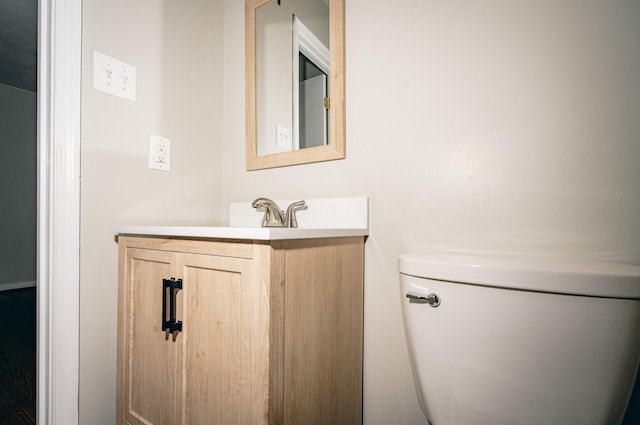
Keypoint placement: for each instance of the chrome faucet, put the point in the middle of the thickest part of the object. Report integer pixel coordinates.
(274, 216)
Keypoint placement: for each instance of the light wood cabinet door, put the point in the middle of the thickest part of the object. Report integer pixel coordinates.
(203, 374)
(216, 306)
(150, 358)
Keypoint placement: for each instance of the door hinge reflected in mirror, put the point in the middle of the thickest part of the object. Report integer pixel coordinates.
(327, 103)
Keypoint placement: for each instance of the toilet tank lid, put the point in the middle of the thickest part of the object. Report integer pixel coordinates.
(531, 273)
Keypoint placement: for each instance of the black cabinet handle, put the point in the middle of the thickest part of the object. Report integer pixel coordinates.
(169, 289)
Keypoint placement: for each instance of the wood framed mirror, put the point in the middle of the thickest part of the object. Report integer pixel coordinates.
(294, 82)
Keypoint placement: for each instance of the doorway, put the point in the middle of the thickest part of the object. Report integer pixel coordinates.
(18, 218)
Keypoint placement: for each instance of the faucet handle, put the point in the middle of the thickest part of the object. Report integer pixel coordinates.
(290, 216)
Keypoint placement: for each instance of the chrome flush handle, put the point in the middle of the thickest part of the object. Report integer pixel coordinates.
(432, 299)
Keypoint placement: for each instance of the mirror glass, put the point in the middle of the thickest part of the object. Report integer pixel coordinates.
(294, 82)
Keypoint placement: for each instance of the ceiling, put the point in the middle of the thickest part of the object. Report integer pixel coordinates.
(19, 43)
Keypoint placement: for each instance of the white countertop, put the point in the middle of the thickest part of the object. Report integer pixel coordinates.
(324, 218)
(247, 233)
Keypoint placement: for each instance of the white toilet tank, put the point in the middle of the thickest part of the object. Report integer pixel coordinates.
(521, 341)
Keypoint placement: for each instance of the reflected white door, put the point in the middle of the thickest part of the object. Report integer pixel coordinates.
(313, 115)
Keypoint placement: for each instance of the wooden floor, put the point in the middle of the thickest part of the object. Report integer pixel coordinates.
(18, 357)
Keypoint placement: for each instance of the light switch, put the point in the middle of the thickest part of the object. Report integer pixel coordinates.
(114, 77)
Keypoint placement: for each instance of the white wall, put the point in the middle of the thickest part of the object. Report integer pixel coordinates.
(496, 125)
(503, 125)
(17, 187)
(176, 48)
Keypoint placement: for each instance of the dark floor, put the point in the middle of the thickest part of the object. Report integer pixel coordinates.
(632, 417)
(18, 357)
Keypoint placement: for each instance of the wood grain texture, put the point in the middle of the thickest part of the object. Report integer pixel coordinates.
(218, 303)
(121, 356)
(337, 112)
(336, 149)
(323, 331)
(271, 266)
(275, 338)
(221, 247)
(150, 358)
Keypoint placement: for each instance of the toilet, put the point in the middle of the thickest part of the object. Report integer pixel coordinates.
(516, 340)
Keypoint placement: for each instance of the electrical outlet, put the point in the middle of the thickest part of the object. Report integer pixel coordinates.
(159, 153)
(114, 77)
(283, 137)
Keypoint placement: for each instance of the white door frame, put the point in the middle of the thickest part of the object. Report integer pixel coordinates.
(58, 263)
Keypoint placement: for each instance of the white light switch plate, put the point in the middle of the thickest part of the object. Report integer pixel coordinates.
(159, 153)
(113, 76)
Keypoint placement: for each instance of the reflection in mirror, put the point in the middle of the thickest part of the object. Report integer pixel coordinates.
(294, 82)
(310, 87)
(312, 111)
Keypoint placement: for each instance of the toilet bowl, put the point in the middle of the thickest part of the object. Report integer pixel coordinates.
(499, 340)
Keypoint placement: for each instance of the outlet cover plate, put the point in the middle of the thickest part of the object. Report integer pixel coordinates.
(159, 153)
(283, 137)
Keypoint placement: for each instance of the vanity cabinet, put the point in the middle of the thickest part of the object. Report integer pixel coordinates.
(271, 331)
